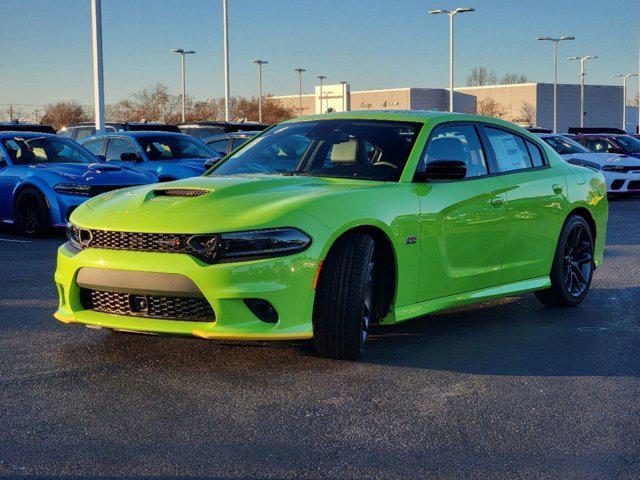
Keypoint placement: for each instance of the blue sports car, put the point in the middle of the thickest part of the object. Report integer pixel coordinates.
(169, 156)
(44, 177)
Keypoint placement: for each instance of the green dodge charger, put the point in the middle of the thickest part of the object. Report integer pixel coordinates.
(324, 225)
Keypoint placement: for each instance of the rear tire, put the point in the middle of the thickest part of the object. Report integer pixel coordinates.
(31, 213)
(344, 305)
(573, 266)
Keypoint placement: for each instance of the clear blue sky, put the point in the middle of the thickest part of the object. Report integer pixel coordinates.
(46, 44)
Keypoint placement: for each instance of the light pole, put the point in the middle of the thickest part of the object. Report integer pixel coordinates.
(624, 77)
(300, 71)
(260, 63)
(555, 74)
(451, 13)
(98, 76)
(322, 79)
(225, 41)
(582, 75)
(344, 95)
(182, 52)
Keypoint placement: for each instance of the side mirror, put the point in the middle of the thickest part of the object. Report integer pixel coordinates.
(130, 157)
(443, 170)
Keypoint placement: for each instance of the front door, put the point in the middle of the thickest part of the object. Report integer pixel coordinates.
(463, 222)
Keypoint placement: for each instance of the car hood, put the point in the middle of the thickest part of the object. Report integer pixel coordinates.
(211, 203)
(605, 159)
(94, 173)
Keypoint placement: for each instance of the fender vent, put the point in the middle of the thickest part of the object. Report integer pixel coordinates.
(180, 192)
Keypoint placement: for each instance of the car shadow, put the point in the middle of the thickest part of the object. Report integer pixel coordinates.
(514, 336)
(518, 336)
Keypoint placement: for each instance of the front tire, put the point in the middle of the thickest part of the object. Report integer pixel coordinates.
(31, 213)
(573, 266)
(344, 306)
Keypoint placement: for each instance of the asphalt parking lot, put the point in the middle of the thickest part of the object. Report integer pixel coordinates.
(507, 389)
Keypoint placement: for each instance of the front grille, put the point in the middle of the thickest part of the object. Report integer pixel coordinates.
(634, 185)
(180, 192)
(194, 309)
(621, 168)
(617, 184)
(146, 242)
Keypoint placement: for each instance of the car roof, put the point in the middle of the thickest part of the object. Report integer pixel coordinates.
(249, 133)
(135, 134)
(419, 116)
(24, 134)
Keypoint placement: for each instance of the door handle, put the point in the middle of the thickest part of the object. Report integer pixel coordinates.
(497, 201)
(557, 188)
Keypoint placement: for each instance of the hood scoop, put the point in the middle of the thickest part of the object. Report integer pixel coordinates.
(180, 192)
(101, 167)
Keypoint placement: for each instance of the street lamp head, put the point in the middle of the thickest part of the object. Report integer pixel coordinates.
(299, 70)
(321, 77)
(177, 50)
(544, 38)
(570, 37)
(260, 62)
(188, 52)
(463, 10)
(439, 10)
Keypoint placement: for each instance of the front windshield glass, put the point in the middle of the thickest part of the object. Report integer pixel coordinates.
(29, 151)
(564, 145)
(166, 147)
(365, 149)
(630, 144)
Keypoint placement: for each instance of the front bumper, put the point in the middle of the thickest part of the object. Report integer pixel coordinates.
(622, 182)
(285, 282)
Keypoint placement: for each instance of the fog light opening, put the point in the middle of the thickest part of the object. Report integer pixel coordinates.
(262, 309)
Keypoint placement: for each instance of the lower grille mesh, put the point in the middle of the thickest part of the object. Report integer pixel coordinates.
(149, 306)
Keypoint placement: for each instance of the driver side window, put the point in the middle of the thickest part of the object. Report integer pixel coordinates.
(118, 146)
(456, 142)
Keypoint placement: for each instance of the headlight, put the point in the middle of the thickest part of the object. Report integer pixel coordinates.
(247, 245)
(73, 234)
(73, 189)
(614, 168)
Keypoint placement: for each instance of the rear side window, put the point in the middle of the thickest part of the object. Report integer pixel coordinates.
(536, 155)
(220, 145)
(510, 150)
(236, 142)
(457, 142)
(597, 145)
(83, 132)
(95, 146)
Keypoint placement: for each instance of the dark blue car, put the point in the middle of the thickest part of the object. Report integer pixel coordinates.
(169, 156)
(44, 177)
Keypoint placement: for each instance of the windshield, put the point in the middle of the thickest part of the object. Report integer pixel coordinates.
(630, 144)
(29, 151)
(166, 147)
(564, 145)
(365, 149)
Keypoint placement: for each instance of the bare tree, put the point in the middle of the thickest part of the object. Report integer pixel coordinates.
(513, 78)
(272, 109)
(154, 104)
(528, 113)
(63, 114)
(480, 76)
(490, 107)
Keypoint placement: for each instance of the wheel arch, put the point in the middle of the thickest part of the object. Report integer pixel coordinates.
(384, 256)
(586, 214)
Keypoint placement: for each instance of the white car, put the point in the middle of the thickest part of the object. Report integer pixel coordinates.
(621, 172)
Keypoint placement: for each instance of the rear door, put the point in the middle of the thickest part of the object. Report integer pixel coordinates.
(463, 223)
(536, 203)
